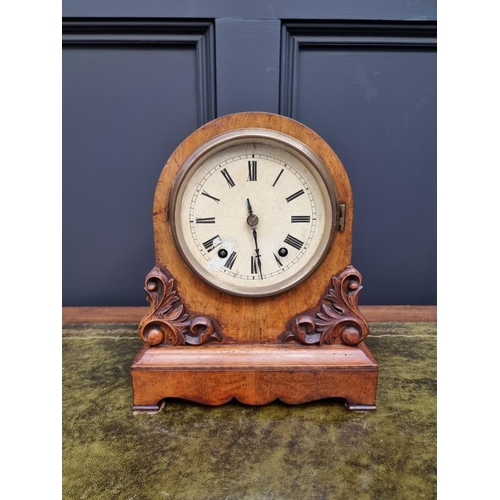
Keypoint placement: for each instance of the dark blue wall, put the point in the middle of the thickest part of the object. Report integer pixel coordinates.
(138, 77)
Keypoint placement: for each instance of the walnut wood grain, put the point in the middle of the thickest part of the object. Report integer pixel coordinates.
(257, 319)
(261, 357)
(254, 375)
(134, 314)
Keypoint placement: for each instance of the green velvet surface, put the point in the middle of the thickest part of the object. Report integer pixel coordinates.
(317, 450)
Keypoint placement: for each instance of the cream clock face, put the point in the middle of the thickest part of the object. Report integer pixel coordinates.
(253, 212)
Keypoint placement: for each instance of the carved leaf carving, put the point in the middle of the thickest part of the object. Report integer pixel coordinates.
(327, 322)
(167, 321)
(337, 318)
(303, 329)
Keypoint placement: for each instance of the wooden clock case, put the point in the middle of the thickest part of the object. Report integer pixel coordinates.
(204, 345)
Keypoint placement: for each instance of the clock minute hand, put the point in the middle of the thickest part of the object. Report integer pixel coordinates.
(252, 221)
(257, 254)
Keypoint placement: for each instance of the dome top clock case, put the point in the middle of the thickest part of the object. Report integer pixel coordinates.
(253, 293)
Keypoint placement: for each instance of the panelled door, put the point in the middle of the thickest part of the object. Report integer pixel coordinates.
(139, 77)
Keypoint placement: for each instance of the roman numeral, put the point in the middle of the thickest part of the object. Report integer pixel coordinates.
(204, 193)
(294, 242)
(206, 220)
(212, 243)
(277, 260)
(230, 261)
(301, 218)
(295, 195)
(253, 265)
(230, 181)
(278, 178)
(252, 170)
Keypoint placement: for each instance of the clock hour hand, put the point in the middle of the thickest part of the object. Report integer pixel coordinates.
(252, 219)
(257, 254)
(249, 207)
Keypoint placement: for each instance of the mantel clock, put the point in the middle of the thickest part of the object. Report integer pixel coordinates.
(253, 295)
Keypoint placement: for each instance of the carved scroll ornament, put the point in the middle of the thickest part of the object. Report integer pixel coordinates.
(337, 319)
(167, 321)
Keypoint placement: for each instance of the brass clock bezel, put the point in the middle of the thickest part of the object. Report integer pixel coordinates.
(266, 136)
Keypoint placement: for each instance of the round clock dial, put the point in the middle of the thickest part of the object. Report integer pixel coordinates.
(253, 212)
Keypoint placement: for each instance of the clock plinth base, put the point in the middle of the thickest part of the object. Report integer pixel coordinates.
(254, 374)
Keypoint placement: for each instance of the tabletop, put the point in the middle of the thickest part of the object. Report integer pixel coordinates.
(311, 451)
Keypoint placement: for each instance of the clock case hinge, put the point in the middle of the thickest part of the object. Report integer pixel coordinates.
(341, 218)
